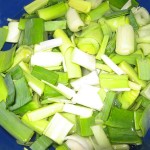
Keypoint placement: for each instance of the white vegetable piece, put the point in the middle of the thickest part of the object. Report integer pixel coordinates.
(141, 15)
(46, 59)
(127, 5)
(90, 79)
(68, 92)
(112, 65)
(13, 32)
(78, 110)
(101, 138)
(125, 40)
(83, 59)
(73, 20)
(74, 145)
(83, 141)
(58, 128)
(88, 96)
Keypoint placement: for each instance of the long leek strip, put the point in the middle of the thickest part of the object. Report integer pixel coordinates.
(73, 69)
(78, 110)
(37, 85)
(38, 126)
(53, 12)
(84, 124)
(13, 32)
(116, 14)
(3, 36)
(90, 79)
(59, 33)
(47, 59)
(21, 98)
(81, 6)
(141, 15)
(127, 98)
(45, 111)
(11, 90)
(125, 40)
(44, 74)
(42, 142)
(58, 132)
(54, 25)
(88, 96)
(103, 47)
(62, 147)
(62, 89)
(143, 66)
(114, 23)
(95, 3)
(74, 21)
(3, 90)
(13, 125)
(127, 5)
(144, 123)
(23, 53)
(98, 12)
(145, 92)
(103, 67)
(108, 102)
(145, 47)
(130, 59)
(100, 134)
(108, 81)
(112, 65)
(35, 5)
(30, 106)
(133, 22)
(120, 118)
(131, 73)
(123, 135)
(51, 43)
(79, 140)
(105, 28)
(33, 27)
(7, 58)
(83, 59)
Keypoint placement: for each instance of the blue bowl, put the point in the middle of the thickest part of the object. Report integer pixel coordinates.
(14, 9)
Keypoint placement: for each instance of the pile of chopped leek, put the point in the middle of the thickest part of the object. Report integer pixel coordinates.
(77, 76)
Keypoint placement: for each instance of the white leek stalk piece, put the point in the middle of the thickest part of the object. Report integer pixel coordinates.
(78, 110)
(73, 20)
(83, 59)
(13, 32)
(90, 79)
(112, 65)
(58, 128)
(47, 59)
(101, 138)
(125, 40)
(75, 139)
(88, 96)
(141, 15)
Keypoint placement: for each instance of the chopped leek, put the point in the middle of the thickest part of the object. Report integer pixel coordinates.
(3, 33)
